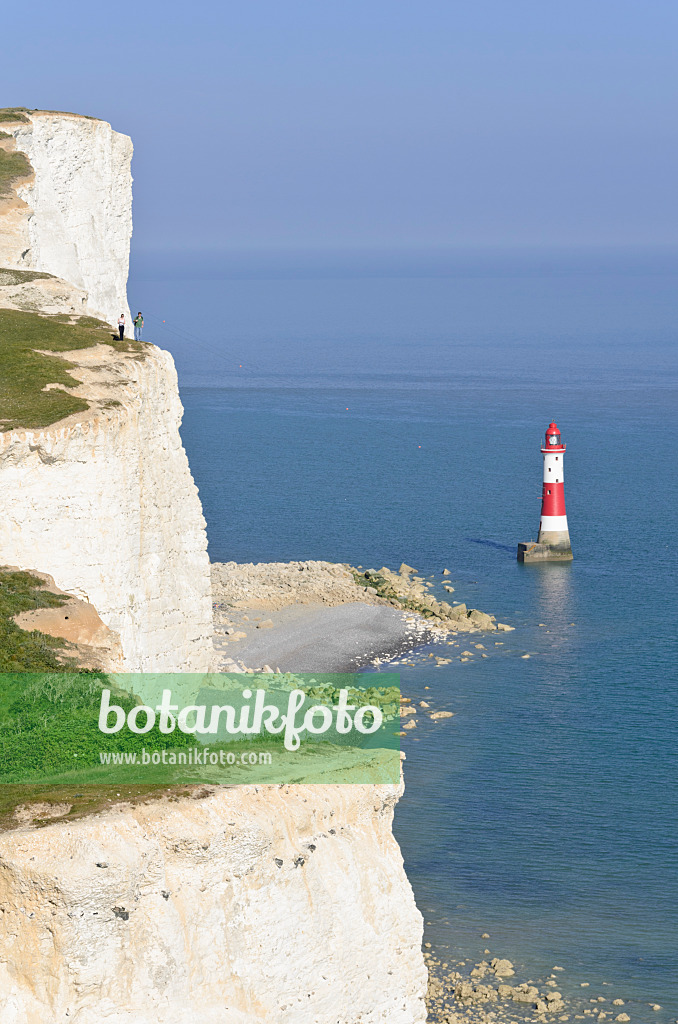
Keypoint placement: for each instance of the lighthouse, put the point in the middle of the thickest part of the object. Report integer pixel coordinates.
(553, 542)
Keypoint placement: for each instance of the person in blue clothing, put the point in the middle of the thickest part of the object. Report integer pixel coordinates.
(138, 326)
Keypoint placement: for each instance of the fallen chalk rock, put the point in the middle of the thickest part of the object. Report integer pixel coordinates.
(525, 993)
(481, 619)
(467, 993)
(503, 968)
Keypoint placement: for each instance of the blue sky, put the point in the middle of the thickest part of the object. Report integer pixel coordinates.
(371, 123)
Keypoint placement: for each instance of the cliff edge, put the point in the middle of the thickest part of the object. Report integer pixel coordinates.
(235, 905)
(96, 488)
(249, 905)
(66, 203)
(103, 500)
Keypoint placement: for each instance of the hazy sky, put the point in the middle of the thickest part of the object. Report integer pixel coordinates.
(371, 122)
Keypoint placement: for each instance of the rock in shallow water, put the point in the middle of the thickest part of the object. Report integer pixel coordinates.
(502, 968)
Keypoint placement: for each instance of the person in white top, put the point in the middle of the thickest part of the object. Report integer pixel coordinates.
(121, 326)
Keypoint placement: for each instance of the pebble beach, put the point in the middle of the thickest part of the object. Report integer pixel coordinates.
(321, 616)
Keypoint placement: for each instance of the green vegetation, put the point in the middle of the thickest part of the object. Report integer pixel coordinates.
(385, 589)
(14, 114)
(80, 799)
(68, 113)
(91, 321)
(49, 728)
(50, 745)
(20, 650)
(24, 372)
(29, 701)
(12, 167)
(15, 277)
(18, 114)
(325, 687)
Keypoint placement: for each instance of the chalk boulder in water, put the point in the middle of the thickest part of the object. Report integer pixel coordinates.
(502, 968)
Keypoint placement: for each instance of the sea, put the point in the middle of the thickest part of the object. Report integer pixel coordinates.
(376, 408)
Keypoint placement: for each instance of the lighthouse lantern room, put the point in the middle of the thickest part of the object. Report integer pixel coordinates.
(553, 541)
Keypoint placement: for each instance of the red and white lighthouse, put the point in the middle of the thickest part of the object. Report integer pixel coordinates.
(553, 542)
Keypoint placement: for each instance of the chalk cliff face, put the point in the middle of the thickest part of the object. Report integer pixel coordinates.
(253, 905)
(73, 216)
(105, 503)
(245, 905)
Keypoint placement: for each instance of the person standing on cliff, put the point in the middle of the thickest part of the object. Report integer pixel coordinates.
(138, 326)
(121, 326)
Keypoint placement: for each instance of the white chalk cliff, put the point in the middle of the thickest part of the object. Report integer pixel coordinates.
(243, 905)
(254, 905)
(104, 502)
(72, 217)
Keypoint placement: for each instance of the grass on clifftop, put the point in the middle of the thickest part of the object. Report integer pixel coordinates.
(15, 114)
(24, 372)
(10, 277)
(69, 803)
(18, 114)
(12, 167)
(21, 650)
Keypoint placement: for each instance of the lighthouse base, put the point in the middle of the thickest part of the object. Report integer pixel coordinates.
(545, 551)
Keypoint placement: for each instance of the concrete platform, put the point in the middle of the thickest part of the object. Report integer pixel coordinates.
(531, 551)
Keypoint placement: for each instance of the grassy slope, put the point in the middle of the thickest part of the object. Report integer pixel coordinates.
(38, 713)
(12, 167)
(18, 114)
(14, 114)
(24, 372)
(21, 651)
(48, 717)
(9, 277)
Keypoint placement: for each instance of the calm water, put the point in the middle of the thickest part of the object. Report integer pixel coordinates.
(376, 419)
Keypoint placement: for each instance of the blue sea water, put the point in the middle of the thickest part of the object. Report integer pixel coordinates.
(374, 412)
